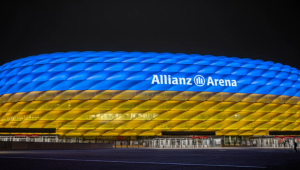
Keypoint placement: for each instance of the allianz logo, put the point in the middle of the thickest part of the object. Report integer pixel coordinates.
(199, 80)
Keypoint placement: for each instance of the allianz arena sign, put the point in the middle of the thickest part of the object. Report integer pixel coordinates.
(198, 80)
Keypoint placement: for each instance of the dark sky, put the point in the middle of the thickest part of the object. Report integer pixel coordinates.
(245, 29)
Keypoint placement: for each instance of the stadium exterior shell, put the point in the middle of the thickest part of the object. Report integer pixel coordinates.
(142, 94)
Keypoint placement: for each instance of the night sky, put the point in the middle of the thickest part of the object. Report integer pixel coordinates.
(245, 29)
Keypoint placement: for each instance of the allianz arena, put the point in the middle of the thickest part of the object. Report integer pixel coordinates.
(137, 94)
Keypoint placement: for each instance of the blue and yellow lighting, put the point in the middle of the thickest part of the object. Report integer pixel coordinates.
(140, 94)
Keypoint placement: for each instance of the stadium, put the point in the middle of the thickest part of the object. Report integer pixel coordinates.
(151, 96)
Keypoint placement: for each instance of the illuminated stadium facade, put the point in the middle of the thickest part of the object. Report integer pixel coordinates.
(107, 94)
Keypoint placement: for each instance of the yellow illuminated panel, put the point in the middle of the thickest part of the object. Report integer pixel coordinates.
(168, 105)
(187, 105)
(53, 115)
(112, 124)
(167, 125)
(237, 97)
(25, 124)
(86, 95)
(205, 115)
(132, 133)
(32, 106)
(88, 105)
(92, 133)
(232, 132)
(168, 115)
(72, 125)
(238, 106)
(293, 118)
(202, 96)
(55, 124)
(48, 95)
(151, 124)
(252, 98)
(5, 107)
(110, 115)
(204, 125)
(16, 97)
(293, 100)
(166, 95)
(281, 117)
(126, 95)
(267, 98)
(221, 125)
(187, 115)
(36, 115)
(237, 125)
(253, 107)
(222, 116)
(131, 124)
(246, 133)
(204, 106)
(293, 109)
(70, 104)
(185, 95)
(186, 125)
(130, 115)
(297, 128)
(8, 117)
(290, 126)
(260, 132)
(93, 124)
(148, 105)
(238, 116)
(41, 124)
(106, 95)
(254, 116)
(281, 99)
(149, 115)
(113, 133)
(70, 115)
(220, 96)
(20, 116)
(5, 97)
(12, 125)
(146, 95)
(268, 117)
(75, 133)
(150, 133)
(268, 108)
(108, 105)
(281, 125)
(3, 124)
(50, 105)
(221, 106)
(90, 115)
(251, 126)
(143, 113)
(31, 96)
(128, 105)
(281, 108)
(269, 125)
(66, 95)
(18, 106)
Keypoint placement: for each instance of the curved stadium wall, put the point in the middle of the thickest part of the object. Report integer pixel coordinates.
(142, 94)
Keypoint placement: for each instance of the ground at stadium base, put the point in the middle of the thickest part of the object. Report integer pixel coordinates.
(132, 158)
